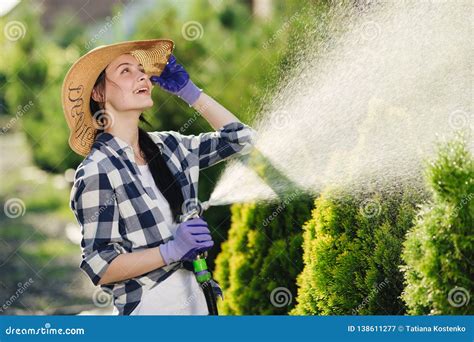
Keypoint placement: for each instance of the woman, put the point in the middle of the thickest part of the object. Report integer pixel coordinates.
(133, 185)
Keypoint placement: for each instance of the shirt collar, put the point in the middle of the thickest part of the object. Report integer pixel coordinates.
(120, 146)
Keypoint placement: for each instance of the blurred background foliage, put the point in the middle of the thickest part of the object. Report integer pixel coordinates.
(329, 256)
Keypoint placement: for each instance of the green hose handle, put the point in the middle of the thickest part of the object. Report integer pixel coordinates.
(199, 264)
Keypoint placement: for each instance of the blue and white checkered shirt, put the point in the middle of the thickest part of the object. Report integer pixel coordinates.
(117, 215)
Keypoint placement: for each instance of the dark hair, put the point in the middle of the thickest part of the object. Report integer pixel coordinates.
(164, 179)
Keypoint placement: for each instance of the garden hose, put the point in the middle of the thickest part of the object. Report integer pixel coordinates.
(203, 275)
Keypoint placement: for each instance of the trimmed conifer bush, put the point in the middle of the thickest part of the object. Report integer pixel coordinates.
(352, 252)
(262, 256)
(439, 250)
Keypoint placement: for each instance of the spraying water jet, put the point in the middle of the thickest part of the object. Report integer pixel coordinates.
(364, 109)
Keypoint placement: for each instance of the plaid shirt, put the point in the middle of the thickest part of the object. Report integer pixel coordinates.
(118, 215)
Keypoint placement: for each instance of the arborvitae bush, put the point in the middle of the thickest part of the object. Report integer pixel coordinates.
(352, 252)
(263, 252)
(439, 250)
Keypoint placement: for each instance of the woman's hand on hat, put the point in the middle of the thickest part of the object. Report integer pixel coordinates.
(175, 80)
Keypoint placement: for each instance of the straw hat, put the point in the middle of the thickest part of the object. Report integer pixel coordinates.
(153, 54)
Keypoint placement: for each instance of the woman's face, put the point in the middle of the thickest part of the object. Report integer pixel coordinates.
(127, 87)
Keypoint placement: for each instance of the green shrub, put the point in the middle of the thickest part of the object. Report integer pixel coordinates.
(439, 250)
(263, 252)
(35, 69)
(352, 248)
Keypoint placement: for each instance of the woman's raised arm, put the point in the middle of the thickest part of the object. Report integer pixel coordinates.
(215, 113)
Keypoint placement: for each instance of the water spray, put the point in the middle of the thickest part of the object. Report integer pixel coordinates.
(364, 108)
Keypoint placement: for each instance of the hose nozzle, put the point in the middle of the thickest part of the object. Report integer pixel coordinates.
(205, 205)
(192, 209)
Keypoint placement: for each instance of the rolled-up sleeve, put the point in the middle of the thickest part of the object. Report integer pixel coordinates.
(214, 147)
(94, 204)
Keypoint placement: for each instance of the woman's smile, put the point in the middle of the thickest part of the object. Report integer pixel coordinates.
(142, 91)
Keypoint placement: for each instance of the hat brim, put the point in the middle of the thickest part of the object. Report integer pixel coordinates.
(77, 87)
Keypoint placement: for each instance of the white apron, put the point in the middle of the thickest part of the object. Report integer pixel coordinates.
(179, 294)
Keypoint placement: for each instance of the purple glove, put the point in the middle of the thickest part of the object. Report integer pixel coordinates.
(192, 238)
(175, 80)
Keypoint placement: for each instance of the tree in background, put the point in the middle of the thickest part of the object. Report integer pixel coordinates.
(439, 250)
(35, 68)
